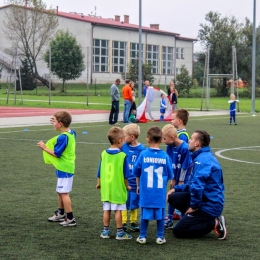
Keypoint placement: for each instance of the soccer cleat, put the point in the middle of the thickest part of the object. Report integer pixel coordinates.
(168, 224)
(220, 229)
(176, 216)
(125, 227)
(160, 241)
(141, 240)
(105, 233)
(134, 227)
(123, 235)
(69, 223)
(57, 217)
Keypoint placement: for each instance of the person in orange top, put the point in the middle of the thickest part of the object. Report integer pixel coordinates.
(128, 99)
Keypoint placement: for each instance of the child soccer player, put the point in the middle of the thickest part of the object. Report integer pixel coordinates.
(178, 151)
(180, 118)
(60, 152)
(153, 170)
(162, 107)
(132, 148)
(232, 109)
(112, 181)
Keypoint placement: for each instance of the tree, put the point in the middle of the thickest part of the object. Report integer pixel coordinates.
(198, 67)
(27, 79)
(29, 26)
(67, 59)
(220, 34)
(183, 81)
(132, 73)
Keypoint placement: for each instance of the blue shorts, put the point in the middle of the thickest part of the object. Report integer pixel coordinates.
(152, 214)
(232, 113)
(162, 111)
(132, 200)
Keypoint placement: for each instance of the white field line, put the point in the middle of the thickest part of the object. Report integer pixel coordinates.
(219, 154)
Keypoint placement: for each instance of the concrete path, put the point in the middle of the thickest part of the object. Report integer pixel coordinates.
(84, 118)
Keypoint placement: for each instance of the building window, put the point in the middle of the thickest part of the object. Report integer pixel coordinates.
(119, 57)
(167, 60)
(152, 56)
(134, 50)
(100, 55)
(177, 71)
(182, 53)
(177, 53)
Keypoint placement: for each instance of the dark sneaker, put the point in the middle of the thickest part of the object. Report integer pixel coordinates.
(134, 227)
(57, 217)
(69, 223)
(124, 226)
(220, 229)
(168, 224)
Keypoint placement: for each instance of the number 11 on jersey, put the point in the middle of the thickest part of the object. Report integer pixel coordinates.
(150, 178)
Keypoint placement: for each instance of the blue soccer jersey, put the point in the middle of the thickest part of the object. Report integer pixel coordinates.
(154, 168)
(181, 161)
(232, 105)
(132, 153)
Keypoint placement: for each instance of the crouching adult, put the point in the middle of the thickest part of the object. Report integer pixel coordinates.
(201, 200)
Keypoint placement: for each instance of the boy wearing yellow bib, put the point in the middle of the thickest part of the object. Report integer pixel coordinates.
(113, 174)
(60, 152)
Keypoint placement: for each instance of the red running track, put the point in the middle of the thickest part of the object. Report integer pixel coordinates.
(29, 111)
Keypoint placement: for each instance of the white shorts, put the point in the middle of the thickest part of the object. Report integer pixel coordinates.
(64, 185)
(112, 206)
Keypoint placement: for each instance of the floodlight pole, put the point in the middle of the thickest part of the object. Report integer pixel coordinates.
(87, 73)
(139, 56)
(50, 75)
(207, 80)
(253, 60)
(233, 71)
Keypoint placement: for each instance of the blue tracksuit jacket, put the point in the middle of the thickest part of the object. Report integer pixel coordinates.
(206, 184)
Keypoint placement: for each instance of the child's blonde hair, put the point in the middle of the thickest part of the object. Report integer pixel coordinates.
(114, 134)
(132, 129)
(232, 96)
(169, 130)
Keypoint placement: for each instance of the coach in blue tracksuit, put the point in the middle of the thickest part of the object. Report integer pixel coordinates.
(201, 200)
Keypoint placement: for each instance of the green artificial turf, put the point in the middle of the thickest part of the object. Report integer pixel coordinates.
(28, 197)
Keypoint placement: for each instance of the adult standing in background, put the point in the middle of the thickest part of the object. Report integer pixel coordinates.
(146, 85)
(128, 100)
(173, 96)
(201, 200)
(115, 96)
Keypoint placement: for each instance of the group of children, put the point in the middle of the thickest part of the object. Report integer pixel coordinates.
(128, 166)
(130, 176)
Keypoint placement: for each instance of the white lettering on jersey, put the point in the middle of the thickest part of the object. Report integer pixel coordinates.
(154, 160)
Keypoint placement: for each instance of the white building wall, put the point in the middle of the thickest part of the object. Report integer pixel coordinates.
(83, 33)
(188, 55)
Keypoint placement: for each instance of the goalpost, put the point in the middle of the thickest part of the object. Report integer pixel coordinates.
(207, 77)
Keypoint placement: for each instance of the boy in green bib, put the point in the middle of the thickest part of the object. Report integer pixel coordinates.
(113, 173)
(60, 152)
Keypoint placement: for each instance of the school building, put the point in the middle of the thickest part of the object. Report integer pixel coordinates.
(110, 44)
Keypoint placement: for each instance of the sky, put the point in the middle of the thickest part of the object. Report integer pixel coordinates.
(178, 16)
